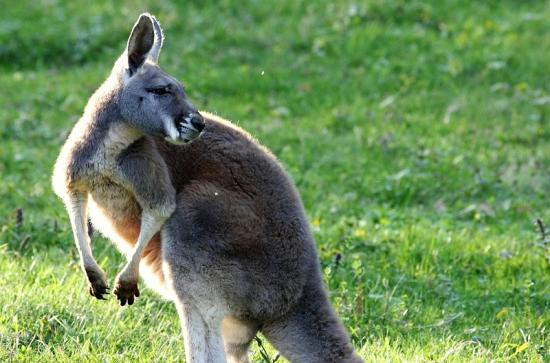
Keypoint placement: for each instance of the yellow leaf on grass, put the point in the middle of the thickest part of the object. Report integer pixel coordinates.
(522, 86)
(521, 348)
(359, 232)
(502, 313)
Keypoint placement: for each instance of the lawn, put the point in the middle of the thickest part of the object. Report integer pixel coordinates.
(417, 133)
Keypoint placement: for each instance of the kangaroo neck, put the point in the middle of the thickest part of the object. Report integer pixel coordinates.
(119, 137)
(112, 133)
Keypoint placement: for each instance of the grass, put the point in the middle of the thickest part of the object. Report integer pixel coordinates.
(417, 134)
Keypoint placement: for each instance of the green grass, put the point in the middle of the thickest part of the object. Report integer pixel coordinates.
(417, 134)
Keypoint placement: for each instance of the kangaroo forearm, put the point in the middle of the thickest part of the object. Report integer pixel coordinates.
(126, 282)
(76, 203)
(77, 208)
(150, 225)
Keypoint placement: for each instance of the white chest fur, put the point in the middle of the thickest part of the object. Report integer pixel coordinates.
(106, 186)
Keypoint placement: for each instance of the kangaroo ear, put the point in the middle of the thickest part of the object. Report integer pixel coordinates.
(140, 42)
(159, 39)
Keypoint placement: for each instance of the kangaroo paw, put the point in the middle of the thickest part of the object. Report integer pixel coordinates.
(98, 283)
(125, 291)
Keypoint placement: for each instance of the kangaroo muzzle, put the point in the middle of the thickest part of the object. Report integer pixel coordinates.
(188, 127)
(197, 121)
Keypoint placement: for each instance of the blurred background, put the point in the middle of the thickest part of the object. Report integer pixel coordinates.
(417, 133)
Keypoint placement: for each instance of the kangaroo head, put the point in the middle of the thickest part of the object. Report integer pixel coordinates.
(151, 100)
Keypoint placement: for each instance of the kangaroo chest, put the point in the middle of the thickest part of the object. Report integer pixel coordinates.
(104, 182)
(114, 201)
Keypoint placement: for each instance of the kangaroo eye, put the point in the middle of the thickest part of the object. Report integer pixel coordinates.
(159, 90)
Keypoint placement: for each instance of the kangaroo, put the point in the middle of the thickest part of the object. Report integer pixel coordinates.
(204, 213)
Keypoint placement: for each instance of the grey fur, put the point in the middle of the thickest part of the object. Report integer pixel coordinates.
(220, 228)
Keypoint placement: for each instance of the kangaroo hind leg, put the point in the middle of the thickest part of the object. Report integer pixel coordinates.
(237, 335)
(310, 332)
(202, 334)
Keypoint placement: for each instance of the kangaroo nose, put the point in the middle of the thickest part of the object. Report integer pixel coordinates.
(197, 122)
